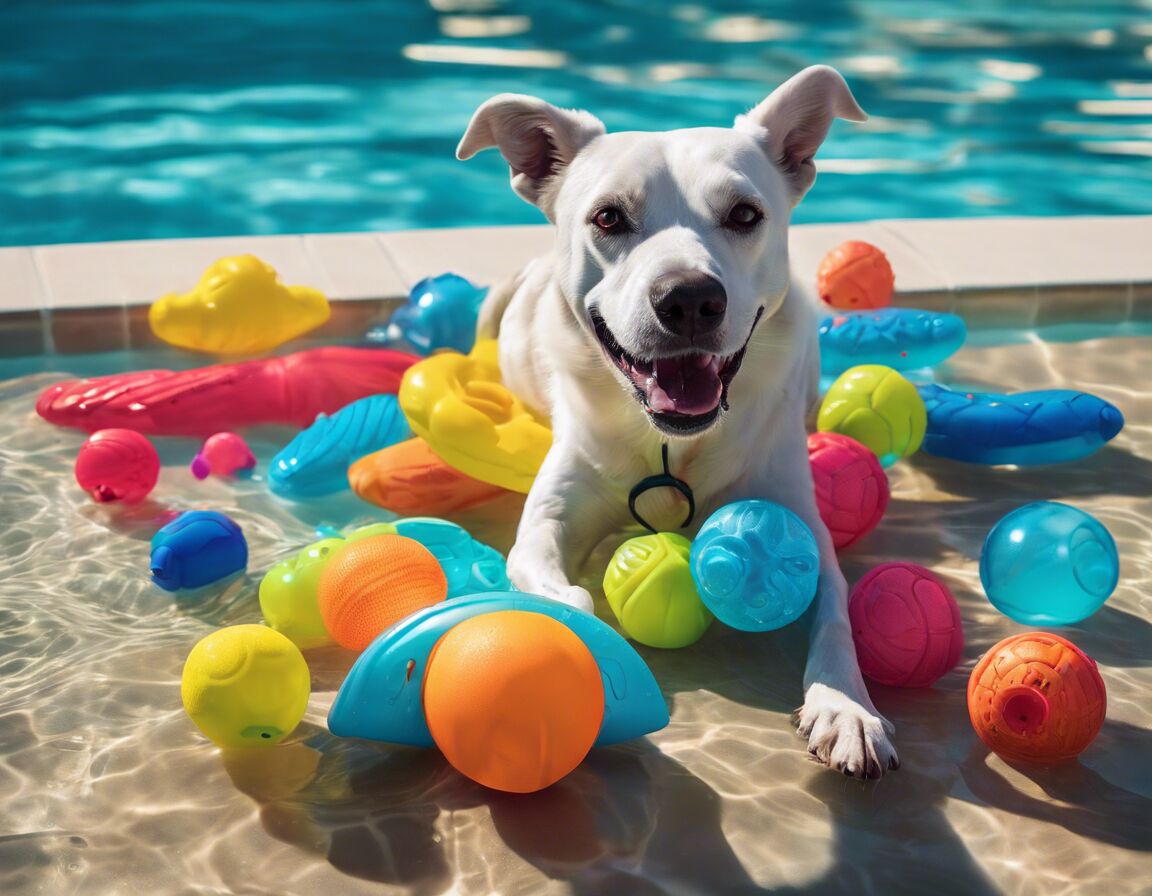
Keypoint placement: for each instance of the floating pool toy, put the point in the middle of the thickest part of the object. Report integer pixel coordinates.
(906, 626)
(877, 407)
(851, 487)
(441, 313)
(245, 686)
(224, 454)
(316, 461)
(289, 594)
(900, 338)
(1037, 697)
(756, 565)
(650, 589)
(1026, 429)
(197, 548)
(469, 418)
(117, 465)
(1048, 563)
(239, 307)
(855, 275)
(289, 390)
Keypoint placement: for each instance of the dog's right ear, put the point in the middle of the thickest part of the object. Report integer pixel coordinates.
(537, 139)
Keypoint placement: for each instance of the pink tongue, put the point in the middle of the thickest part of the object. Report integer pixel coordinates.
(688, 385)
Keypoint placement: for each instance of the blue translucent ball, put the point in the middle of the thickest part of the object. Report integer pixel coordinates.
(1049, 564)
(755, 564)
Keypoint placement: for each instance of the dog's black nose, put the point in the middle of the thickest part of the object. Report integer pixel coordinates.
(688, 303)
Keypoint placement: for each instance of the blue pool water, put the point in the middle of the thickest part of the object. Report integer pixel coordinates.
(200, 117)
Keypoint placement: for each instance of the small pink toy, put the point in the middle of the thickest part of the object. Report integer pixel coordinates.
(223, 454)
(851, 487)
(117, 465)
(906, 625)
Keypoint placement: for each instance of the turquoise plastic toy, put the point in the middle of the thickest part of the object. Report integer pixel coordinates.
(900, 338)
(197, 548)
(471, 566)
(441, 313)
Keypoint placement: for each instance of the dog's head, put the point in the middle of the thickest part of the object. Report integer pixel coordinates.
(671, 246)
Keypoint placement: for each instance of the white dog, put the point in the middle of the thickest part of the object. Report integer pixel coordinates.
(665, 316)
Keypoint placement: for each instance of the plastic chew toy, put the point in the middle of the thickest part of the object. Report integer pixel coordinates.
(1049, 564)
(469, 418)
(117, 465)
(906, 626)
(224, 454)
(1036, 697)
(197, 548)
(289, 594)
(245, 686)
(316, 461)
(289, 390)
(650, 589)
(855, 275)
(1026, 429)
(900, 338)
(877, 407)
(851, 487)
(441, 313)
(239, 307)
(373, 583)
(470, 566)
(755, 564)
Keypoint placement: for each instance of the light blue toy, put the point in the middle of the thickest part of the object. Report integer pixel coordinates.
(900, 338)
(470, 566)
(381, 697)
(755, 564)
(1047, 563)
(441, 313)
(197, 548)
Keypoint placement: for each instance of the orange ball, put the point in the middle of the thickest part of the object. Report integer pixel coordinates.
(513, 699)
(1036, 697)
(372, 583)
(854, 276)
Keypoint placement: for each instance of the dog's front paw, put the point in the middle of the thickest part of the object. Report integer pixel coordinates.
(845, 736)
(571, 595)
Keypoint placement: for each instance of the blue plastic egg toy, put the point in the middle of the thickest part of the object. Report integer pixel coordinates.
(1049, 564)
(440, 313)
(197, 548)
(756, 565)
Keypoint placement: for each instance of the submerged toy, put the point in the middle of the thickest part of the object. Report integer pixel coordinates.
(316, 461)
(245, 686)
(289, 390)
(197, 548)
(906, 626)
(239, 307)
(877, 407)
(1037, 697)
(289, 594)
(1047, 563)
(755, 564)
(223, 454)
(855, 275)
(851, 487)
(900, 338)
(440, 314)
(1029, 428)
(117, 465)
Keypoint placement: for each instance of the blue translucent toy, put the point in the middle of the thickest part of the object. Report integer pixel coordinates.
(1049, 564)
(755, 565)
(197, 548)
(469, 565)
(441, 313)
(900, 338)
(1026, 429)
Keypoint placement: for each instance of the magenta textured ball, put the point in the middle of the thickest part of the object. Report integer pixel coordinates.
(851, 486)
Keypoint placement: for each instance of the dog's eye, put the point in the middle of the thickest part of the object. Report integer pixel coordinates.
(743, 216)
(609, 219)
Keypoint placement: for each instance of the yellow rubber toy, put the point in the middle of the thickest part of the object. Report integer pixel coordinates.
(288, 594)
(458, 404)
(877, 407)
(239, 307)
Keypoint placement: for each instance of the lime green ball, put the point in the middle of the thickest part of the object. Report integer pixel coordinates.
(371, 530)
(877, 407)
(650, 589)
(288, 594)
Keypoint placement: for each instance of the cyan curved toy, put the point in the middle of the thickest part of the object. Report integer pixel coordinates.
(197, 548)
(381, 697)
(441, 313)
(900, 338)
(1050, 426)
(470, 566)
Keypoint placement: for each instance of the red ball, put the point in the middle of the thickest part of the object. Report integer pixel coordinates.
(851, 486)
(117, 465)
(905, 624)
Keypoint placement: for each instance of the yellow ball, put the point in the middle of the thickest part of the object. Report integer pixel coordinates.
(245, 686)
(877, 407)
(288, 594)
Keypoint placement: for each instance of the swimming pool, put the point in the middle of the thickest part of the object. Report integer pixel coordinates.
(148, 119)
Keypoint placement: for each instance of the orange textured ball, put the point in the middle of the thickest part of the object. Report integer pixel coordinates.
(513, 699)
(854, 276)
(1036, 697)
(372, 583)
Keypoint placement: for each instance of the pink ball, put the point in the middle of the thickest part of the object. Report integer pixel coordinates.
(223, 454)
(117, 465)
(906, 625)
(851, 487)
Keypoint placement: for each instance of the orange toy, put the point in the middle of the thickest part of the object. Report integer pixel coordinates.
(372, 583)
(513, 699)
(1036, 697)
(855, 276)
(410, 480)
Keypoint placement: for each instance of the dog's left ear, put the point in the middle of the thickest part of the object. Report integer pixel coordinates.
(794, 120)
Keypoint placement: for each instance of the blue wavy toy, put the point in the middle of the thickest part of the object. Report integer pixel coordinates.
(900, 338)
(1026, 429)
(469, 565)
(441, 313)
(316, 461)
(197, 548)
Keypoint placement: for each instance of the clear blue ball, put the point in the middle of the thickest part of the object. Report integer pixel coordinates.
(1049, 564)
